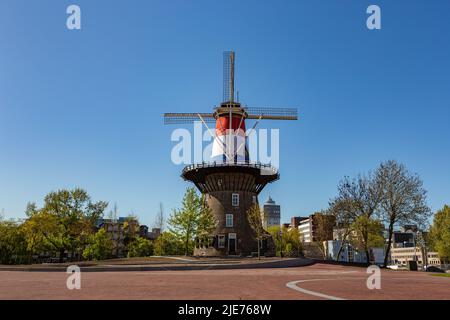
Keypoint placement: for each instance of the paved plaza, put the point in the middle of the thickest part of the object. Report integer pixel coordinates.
(318, 281)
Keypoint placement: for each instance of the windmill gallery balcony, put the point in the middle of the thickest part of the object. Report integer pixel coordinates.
(213, 176)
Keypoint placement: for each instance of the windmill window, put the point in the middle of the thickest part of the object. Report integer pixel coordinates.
(229, 221)
(235, 199)
(221, 241)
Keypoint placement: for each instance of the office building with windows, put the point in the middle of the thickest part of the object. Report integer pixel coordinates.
(271, 215)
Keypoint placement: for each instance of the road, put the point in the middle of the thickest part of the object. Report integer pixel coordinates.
(319, 281)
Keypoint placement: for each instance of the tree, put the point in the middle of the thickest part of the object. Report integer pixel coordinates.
(12, 243)
(69, 216)
(255, 222)
(140, 247)
(160, 222)
(277, 235)
(116, 239)
(439, 235)
(362, 197)
(130, 231)
(324, 224)
(100, 247)
(287, 240)
(169, 244)
(344, 218)
(369, 234)
(32, 230)
(403, 198)
(42, 227)
(293, 239)
(160, 219)
(206, 224)
(184, 222)
(114, 213)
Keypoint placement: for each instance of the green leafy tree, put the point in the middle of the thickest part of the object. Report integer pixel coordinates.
(287, 241)
(206, 223)
(32, 229)
(369, 234)
(130, 231)
(439, 235)
(100, 247)
(191, 220)
(69, 217)
(255, 222)
(12, 243)
(278, 235)
(168, 243)
(293, 238)
(140, 247)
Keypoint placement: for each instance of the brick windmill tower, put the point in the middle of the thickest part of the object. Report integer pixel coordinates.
(230, 181)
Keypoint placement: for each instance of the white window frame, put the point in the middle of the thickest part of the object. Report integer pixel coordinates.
(227, 216)
(221, 236)
(233, 197)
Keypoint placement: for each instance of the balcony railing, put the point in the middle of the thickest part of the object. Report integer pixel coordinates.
(214, 164)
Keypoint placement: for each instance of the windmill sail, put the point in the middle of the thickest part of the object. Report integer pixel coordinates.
(228, 76)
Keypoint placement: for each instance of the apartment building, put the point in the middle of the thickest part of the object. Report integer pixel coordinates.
(307, 227)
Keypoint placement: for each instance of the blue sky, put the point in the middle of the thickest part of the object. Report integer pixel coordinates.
(84, 108)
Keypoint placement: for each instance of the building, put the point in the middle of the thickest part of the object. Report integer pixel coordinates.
(286, 225)
(307, 227)
(119, 230)
(143, 231)
(271, 214)
(350, 254)
(402, 239)
(230, 180)
(409, 244)
(150, 235)
(295, 222)
(402, 255)
(154, 234)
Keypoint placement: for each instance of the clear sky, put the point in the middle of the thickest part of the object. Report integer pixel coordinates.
(84, 108)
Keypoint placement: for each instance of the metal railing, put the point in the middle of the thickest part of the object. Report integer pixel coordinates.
(214, 164)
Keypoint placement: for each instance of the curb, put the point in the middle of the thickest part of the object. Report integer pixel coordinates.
(292, 263)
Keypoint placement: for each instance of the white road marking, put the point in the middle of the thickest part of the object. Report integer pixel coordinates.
(293, 285)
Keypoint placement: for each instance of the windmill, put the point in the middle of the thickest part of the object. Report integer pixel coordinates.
(231, 182)
(229, 118)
